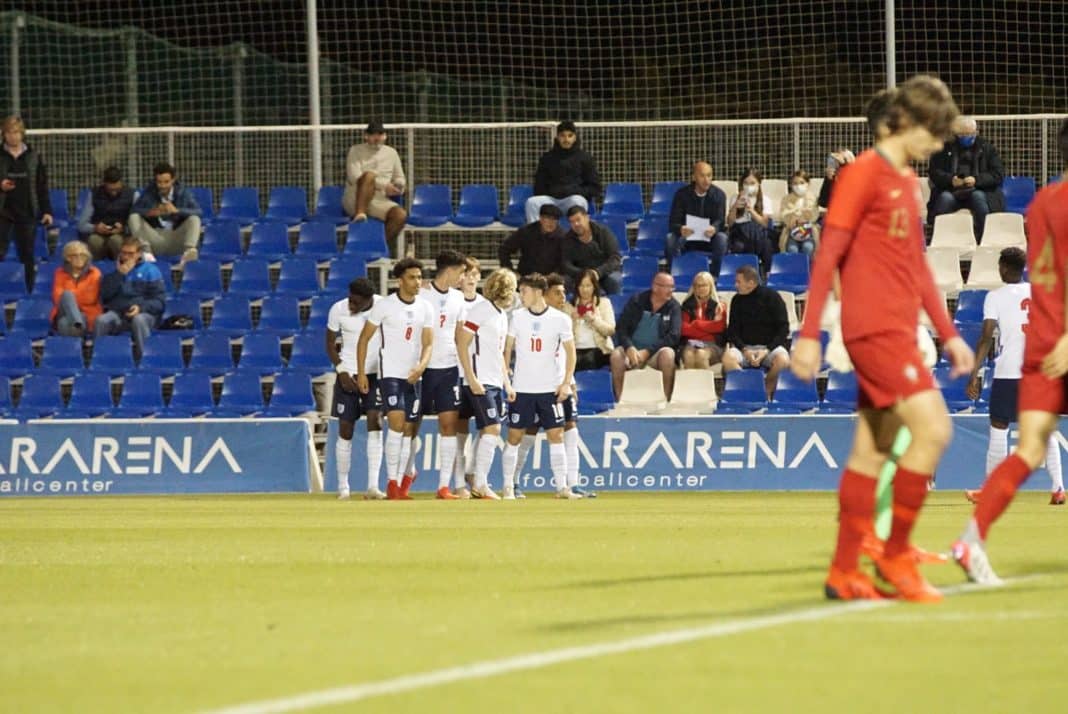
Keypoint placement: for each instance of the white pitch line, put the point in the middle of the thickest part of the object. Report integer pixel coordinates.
(537, 660)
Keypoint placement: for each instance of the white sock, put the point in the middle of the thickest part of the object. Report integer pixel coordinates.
(469, 453)
(374, 458)
(1053, 464)
(487, 449)
(509, 458)
(521, 458)
(394, 446)
(558, 464)
(997, 449)
(459, 467)
(407, 453)
(571, 439)
(343, 456)
(447, 460)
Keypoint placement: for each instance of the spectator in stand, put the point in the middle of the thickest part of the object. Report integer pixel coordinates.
(800, 215)
(704, 321)
(835, 161)
(539, 244)
(749, 221)
(592, 246)
(102, 222)
(566, 175)
(966, 173)
(699, 199)
(76, 292)
(133, 295)
(373, 178)
(23, 195)
(648, 334)
(757, 329)
(166, 216)
(594, 323)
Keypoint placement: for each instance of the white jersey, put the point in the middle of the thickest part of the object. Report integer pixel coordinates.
(1009, 305)
(340, 321)
(401, 327)
(538, 337)
(448, 308)
(469, 304)
(489, 325)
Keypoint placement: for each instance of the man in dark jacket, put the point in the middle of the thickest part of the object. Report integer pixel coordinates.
(592, 246)
(967, 173)
(24, 197)
(647, 334)
(102, 222)
(566, 175)
(166, 216)
(757, 329)
(133, 296)
(699, 199)
(539, 244)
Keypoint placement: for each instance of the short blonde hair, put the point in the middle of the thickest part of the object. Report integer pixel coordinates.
(471, 263)
(500, 285)
(13, 123)
(75, 247)
(713, 296)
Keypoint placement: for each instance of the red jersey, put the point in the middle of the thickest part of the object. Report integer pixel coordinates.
(1047, 261)
(874, 237)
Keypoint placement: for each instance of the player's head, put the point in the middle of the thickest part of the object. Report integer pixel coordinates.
(877, 112)
(746, 279)
(361, 295)
(409, 275)
(449, 267)
(500, 288)
(532, 289)
(702, 175)
(920, 114)
(579, 218)
(1011, 264)
(471, 275)
(1062, 141)
(555, 292)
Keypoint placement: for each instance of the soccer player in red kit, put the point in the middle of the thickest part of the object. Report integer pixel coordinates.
(873, 238)
(1044, 386)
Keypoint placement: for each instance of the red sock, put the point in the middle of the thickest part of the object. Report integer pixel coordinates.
(910, 491)
(997, 493)
(856, 509)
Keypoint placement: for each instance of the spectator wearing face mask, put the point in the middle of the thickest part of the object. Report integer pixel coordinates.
(966, 173)
(749, 221)
(835, 161)
(799, 214)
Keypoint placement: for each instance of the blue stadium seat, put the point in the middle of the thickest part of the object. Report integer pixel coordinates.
(190, 397)
(221, 241)
(112, 355)
(789, 272)
(250, 278)
(652, 236)
(982, 404)
(90, 397)
(40, 397)
(16, 355)
(288, 204)
(62, 357)
(729, 266)
(328, 205)
(594, 391)
(618, 303)
(663, 194)
(686, 266)
(1019, 192)
(261, 353)
(515, 214)
(241, 204)
(618, 226)
(5, 397)
(280, 316)
(970, 332)
(953, 389)
(367, 239)
(320, 311)
(205, 198)
(60, 207)
(184, 305)
(638, 272)
(840, 396)
(212, 354)
(43, 282)
(970, 306)
(84, 196)
(299, 276)
(270, 240)
(431, 205)
(40, 247)
(343, 271)
(12, 280)
(308, 354)
(1055, 178)
(33, 316)
(242, 395)
(317, 240)
(162, 354)
(743, 392)
(230, 316)
(291, 396)
(201, 279)
(793, 395)
(142, 396)
(623, 200)
(478, 205)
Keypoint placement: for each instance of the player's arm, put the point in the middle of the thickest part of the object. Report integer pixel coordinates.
(464, 337)
(509, 345)
(343, 375)
(424, 355)
(982, 350)
(564, 388)
(361, 355)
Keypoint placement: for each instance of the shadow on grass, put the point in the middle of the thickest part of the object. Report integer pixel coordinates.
(702, 575)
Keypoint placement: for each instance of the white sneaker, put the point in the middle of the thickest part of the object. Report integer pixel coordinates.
(487, 493)
(343, 494)
(188, 257)
(509, 493)
(462, 493)
(567, 493)
(374, 494)
(972, 559)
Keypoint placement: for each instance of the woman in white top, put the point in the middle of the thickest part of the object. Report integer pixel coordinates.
(749, 221)
(594, 322)
(799, 213)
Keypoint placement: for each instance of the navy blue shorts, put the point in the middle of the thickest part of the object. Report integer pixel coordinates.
(400, 395)
(350, 406)
(1003, 396)
(441, 390)
(536, 410)
(487, 409)
(570, 409)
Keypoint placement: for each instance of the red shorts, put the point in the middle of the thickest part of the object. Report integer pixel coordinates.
(1039, 393)
(889, 368)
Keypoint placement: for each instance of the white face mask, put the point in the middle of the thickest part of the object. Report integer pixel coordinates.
(751, 189)
(800, 189)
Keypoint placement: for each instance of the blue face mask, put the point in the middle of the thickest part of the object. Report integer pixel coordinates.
(966, 141)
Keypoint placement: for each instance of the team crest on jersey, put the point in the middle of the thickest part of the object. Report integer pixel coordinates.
(392, 400)
(895, 194)
(515, 417)
(410, 314)
(491, 412)
(910, 373)
(340, 408)
(536, 326)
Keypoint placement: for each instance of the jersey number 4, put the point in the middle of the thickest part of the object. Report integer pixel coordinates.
(1045, 273)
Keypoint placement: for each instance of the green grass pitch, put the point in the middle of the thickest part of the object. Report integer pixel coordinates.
(187, 604)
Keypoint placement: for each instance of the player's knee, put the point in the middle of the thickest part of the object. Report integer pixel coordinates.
(367, 177)
(937, 432)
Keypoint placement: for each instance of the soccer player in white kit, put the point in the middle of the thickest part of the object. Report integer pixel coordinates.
(1006, 309)
(405, 322)
(480, 343)
(536, 396)
(347, 318)
(463, 473)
